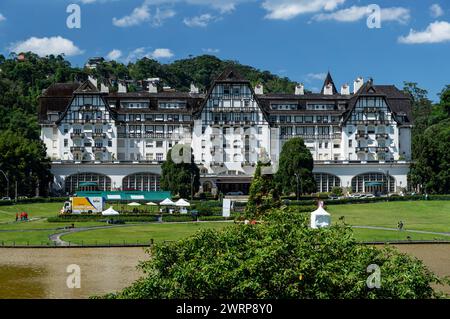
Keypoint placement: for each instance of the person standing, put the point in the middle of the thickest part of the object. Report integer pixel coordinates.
(17, 216)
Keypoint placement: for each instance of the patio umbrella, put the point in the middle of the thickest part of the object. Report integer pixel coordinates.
(151, 204)
(134, 204)
(167, 202)
(182, 203)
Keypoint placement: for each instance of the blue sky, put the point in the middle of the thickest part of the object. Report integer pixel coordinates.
(300, 39)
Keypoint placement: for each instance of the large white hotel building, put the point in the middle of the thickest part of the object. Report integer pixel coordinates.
(360, 136)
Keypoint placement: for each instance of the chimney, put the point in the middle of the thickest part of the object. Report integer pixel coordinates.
(345, 89)
(153, 85)
(328, 89)
(259, 89)
(104, 88)
(193, 89)
(357, 84)
(300, 89)
(92, 80)
(122, 87)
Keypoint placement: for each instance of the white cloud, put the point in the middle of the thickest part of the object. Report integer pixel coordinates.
(315, 77)
(355, 13)
(161, 15)
(211, 50)
(142, 14)
(142, 52)
(115, 54)
(436, 11)
(2, 17)
(162, 53)
(139, 15)
(436, 32)
(199, 21)
(46, 46)
(288, 9)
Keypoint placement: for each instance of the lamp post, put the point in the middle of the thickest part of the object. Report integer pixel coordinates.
(7, 183)
(192, 186)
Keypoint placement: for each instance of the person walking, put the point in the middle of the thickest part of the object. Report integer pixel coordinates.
(400, 225)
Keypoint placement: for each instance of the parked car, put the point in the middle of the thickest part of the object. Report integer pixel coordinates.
(22, 197)
(333, 197)
(6, 198)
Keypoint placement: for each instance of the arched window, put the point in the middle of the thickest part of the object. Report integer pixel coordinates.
(141, 182)
(326, 182)
(72, 182)
(373, 183)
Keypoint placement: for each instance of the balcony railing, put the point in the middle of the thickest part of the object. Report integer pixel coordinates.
(382, 136)
(362, 150)
(77, 149)
(232, 109)
(382, 149)
(98, 149)
(362, 136)
(98, 134)
(77, 134)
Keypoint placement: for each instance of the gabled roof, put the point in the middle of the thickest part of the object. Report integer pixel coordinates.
(329, 80)
(230, 75)
(87, 87)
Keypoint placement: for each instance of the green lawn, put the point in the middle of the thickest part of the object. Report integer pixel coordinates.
(386, 235)
(141, 233)
(35, 210)
(417, 215)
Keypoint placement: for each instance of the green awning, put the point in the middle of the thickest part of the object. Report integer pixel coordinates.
(155, 196)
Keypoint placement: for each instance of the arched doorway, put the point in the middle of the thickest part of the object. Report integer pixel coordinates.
(325, 182)
(207, 187)
(141, 182)
(375, 183)
(77, 181)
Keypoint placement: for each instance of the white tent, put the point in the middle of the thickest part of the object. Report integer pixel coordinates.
(167, 202)
(110, 212)
(134, 204)
(182, 203)
(151, 204)
(320, 218)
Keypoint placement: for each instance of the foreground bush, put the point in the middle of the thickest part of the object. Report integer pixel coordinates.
(279, 258)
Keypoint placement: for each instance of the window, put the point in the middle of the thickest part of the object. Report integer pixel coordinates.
(159, 144)
(159, 156)
(109, 143)
(66, 142)
(350, 143)
(336, 146)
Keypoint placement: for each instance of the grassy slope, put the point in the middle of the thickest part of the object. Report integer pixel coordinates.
(141, 233)
(417, 215)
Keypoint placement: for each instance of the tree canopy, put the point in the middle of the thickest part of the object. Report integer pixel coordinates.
(178, 178)
(295, 160)
(279, 258)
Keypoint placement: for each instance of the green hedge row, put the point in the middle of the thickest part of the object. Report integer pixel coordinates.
(132, 218)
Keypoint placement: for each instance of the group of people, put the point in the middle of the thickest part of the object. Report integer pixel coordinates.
(23, 216)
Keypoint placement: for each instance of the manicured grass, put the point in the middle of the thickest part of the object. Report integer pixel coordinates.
(386, 235)
(35, 210)
(141, 233)
(417, 215)
(38, 237)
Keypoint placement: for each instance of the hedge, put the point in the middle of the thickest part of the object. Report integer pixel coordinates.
(34, 200)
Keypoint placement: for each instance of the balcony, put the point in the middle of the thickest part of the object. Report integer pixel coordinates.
(77, 135)
(382, 149)
(371, 110)
(382, 136)
(371, 122)
(98, 149)
(362, 150)
(77, 149)
(362, 136)
(98, 134)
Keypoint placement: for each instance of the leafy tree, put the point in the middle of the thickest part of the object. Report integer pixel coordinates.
(337, 191)
(24, 161)
(263, 193)
(295, 162)
(280, 258)
(178, 178)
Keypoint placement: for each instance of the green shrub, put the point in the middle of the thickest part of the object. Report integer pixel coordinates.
(279, 258)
